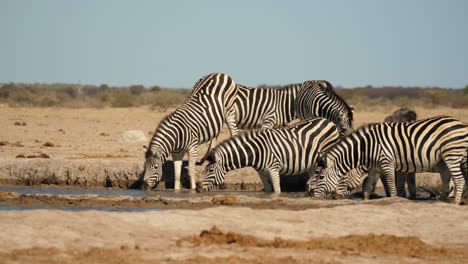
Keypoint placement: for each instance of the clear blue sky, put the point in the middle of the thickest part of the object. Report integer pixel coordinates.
(173, 43)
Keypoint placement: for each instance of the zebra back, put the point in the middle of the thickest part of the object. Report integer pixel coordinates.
(265, 107)
(318, 99)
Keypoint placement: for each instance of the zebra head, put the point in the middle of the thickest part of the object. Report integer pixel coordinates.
(345, 120)
(213, 174)
(327, 178)
(152, 169)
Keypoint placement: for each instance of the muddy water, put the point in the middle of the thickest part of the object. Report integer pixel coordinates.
(138, 193)
(29, 198)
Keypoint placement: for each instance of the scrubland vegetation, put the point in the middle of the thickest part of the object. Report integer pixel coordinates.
(77, 95)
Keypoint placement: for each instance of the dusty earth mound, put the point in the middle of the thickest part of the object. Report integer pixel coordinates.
(377, 244)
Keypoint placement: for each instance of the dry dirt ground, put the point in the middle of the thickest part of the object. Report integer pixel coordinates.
(201, 229)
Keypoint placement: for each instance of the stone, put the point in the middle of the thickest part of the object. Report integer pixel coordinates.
(134, 136)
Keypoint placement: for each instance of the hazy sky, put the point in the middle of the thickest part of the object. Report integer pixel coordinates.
(173, 43)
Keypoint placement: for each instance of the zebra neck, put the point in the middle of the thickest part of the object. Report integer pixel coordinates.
(163, 145)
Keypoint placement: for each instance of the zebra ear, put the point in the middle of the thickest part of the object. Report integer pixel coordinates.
(352, 108)
(322, 160)
(144, 148)
(325, 84)
(157, 154)
(211, 158)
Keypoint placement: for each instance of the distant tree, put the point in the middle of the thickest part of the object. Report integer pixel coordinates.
(155, 88)
(103, 87)
(465, 91)
(137, 89)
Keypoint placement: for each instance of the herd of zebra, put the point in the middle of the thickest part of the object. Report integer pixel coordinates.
(323, 144)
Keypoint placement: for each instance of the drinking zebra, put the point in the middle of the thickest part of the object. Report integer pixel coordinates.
(355, 177)
(318, 99)
(288, 151)
(435, 144)
(198, 120)
(265, 107)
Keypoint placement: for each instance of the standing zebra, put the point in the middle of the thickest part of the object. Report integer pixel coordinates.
(265, 107)
(434, 144)
(318, 99)
(355, 177)
(288, 151)
(198, 120)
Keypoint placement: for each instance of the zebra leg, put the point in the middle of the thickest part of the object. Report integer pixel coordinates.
(231, 121)
(177, 158)
(400, 184)
(411, 182)
(275, 179)
(369, 183)
(388, 172)
(265, 177)
(464, 169)
(192, 155)
(445, 177)
(458, 179)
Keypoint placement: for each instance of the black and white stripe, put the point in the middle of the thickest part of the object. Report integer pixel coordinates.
(198, 120)
(435, 144)
(318, 99)
(288, 151)
(265, 107)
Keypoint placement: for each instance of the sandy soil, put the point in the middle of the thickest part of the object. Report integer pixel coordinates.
(85, 148)
(398, 230)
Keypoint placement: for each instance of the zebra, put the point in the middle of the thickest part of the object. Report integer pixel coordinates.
(433, 144)
(354, 178)
(198, 120)
(288, 151)
(275, 108)
(265, 107)
(318, 99)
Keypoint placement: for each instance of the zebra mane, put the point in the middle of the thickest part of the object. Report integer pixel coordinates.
(274, 87)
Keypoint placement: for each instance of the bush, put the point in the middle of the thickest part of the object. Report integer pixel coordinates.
(403, 101)
(155, 89)
(123, 99)
(164, 99)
